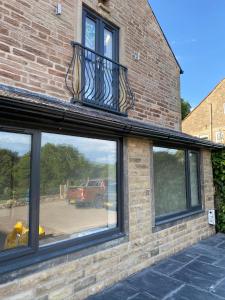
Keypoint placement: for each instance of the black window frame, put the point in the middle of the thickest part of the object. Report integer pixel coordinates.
(190, 210)
(101, 24)
(12, 259)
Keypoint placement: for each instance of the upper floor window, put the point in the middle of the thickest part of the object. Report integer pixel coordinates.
(101, 71)
(94, 77)
(219, 136)
(176, 182)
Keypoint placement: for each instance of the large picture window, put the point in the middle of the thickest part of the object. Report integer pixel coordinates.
(57, 191)
(176, 182)
(78, 186)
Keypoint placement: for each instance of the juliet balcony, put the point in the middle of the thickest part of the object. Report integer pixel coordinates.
(97, 81)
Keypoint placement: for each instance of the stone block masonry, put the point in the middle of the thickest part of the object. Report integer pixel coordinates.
(78, 275)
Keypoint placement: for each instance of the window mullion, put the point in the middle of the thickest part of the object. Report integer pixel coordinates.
(35, 191)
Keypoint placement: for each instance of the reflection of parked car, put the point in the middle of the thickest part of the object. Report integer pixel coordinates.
(91, 194)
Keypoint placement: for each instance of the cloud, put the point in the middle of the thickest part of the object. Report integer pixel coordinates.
(16, 142)
(184, 42)
(100, 151)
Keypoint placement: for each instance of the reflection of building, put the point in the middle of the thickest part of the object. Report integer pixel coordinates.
(116, 119)
(207, 120)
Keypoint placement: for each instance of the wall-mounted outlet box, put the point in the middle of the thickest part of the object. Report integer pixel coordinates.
(136, 56)
(58, 9)
(211, 217)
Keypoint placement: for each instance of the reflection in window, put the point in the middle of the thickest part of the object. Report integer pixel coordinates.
(90, 34)
(78, 186)
(90, 59)
(15, 155)
(169, 181)
(108, 68)
(193, 158)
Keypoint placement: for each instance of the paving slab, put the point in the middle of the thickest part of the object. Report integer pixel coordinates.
(191, 293)
(158, 285)
(196, 273)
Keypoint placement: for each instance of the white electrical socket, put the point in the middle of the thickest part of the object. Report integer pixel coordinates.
(136, 56)
(211, 217)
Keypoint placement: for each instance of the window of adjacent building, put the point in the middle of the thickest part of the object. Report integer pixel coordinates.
(57, 189)
(176, 181)
(219, 136)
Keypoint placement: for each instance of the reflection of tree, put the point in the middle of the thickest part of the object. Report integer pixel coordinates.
(169, 174)
(14, 174)
(59, 164)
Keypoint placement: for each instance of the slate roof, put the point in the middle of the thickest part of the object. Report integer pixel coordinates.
(19, 104)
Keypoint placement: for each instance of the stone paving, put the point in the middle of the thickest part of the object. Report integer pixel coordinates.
(197, 273)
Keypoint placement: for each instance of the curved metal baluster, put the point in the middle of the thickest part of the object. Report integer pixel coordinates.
(110, 89)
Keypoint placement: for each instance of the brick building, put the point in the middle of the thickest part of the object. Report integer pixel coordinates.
(96, 179)
(207, 119)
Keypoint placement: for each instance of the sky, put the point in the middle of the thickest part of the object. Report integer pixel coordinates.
(95, 150)
(195, 30)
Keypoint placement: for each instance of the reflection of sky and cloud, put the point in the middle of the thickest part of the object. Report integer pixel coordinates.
(16, 142)
(101, 151)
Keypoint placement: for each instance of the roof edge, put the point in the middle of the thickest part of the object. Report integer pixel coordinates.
(50, 111)
(205, 98)
(165, 38)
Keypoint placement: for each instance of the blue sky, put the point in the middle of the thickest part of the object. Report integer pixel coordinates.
(195, 30)
(98, 151)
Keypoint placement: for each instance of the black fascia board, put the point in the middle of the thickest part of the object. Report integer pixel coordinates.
(42, 113)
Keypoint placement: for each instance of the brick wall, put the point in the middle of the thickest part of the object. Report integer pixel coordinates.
(78, 275)
(209, 116)
(35, 52)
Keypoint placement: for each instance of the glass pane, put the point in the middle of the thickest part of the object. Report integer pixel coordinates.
(15, 155)
(108, 68)
(90, 33)
(78, 186)
(90, 75)
(193, 158)
(108, 43)
(90, 59)
(169, 180)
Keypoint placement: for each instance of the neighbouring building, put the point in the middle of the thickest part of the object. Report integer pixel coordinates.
(207, 120)
(96, 179)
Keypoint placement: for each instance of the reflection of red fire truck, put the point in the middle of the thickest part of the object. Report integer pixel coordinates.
(91, 194)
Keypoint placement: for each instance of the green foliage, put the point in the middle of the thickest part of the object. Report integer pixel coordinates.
(60, 164)
(185, 108)
(218, 161)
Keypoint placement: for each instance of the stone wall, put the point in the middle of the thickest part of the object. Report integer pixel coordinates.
(35, 52)
(208, 117)
(81, 274)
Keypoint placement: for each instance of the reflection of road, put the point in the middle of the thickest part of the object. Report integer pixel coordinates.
(59, 218)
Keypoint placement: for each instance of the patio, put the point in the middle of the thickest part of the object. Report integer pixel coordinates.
(194, 274)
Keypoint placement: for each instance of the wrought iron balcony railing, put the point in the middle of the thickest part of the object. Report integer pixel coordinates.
(98, 81)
